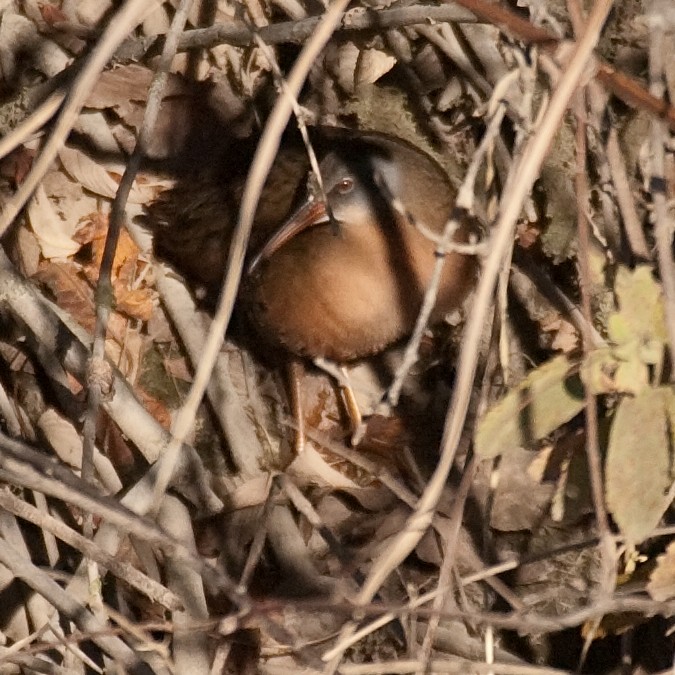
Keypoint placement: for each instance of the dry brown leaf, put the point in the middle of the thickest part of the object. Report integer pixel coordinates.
(345, 66)
(155, 407)
(70, 290)
(136, 303)
(124, 88)
(528, 234)
(113, 443)
(566, 337)
(16, 166)
(26, 251)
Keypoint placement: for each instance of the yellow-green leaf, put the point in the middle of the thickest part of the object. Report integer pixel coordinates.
(638, 328)
(637, 472)
(548, 397)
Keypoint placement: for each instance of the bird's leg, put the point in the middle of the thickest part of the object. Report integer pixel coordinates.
(356, 426)
(294, 372)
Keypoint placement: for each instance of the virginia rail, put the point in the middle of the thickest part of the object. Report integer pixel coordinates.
(341, 277)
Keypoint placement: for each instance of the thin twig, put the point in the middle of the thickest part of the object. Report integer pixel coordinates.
(238, 34)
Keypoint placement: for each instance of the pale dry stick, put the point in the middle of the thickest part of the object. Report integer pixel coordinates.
(255, 551)
(23, 646)
(525, 623)
(304, 506)
(513, 564)
(624, 195)
(359, 460)
(220, 658)
(51, 547)
(445, 40)
(483, 575)
(35, 121)
(36, 609)
(262, 162)
(190, 649)
(126, 19)
(104, 292)
(593, 444)
(404, 494)
(502, 237)
(664, 223)
(527, 278)
(127, 573)
(72, 646)
(256, 14)
(291, 8)
(8, 411)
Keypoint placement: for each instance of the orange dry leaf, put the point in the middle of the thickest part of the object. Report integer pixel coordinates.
(134, 303)
(93, 231)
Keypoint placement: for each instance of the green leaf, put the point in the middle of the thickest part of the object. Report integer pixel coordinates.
(548, 397)
(637, 470)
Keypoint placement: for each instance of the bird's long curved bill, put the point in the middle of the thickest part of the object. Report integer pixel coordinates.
(309, 214)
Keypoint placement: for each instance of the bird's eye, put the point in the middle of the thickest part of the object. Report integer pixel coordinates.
(345, 185)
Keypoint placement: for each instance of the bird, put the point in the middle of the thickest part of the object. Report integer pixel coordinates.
(337, 272)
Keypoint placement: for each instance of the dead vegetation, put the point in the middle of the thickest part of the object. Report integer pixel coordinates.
(507, 507)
